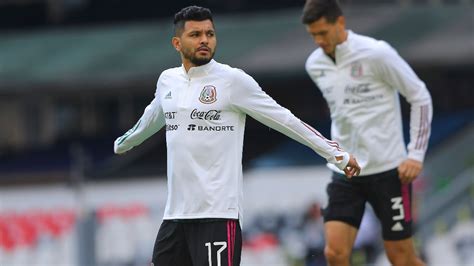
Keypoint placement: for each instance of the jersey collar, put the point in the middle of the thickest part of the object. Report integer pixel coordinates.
(344, 48)
(199, 70)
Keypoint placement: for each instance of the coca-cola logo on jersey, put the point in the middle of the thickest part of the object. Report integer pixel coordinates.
(211, 115)
(358, 88)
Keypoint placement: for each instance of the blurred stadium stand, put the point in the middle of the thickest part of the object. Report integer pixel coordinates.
(76, 74)
(46, 13)
(87, 85)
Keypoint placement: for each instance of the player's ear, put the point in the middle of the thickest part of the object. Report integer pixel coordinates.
(176, 42)
(341, 21)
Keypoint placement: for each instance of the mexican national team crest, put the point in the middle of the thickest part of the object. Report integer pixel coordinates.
(356, 70)
(208, 94)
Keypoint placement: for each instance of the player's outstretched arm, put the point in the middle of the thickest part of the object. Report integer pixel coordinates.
(249, 98)
(151, 121)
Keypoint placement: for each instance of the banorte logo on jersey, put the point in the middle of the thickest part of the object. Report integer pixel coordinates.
(220, 128)
(208, 94)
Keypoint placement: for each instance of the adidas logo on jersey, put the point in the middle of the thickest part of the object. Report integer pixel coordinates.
(168, 95)
(397, 227)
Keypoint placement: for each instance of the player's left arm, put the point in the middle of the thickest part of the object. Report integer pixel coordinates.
(248, 97)
(399, 75)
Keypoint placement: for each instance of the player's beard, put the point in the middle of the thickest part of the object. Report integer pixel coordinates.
(197, 60)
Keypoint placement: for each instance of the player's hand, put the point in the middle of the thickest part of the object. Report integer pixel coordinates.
(352, 168)
(408, 170)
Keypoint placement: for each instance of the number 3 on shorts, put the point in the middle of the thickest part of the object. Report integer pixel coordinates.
(219, 251)
(397, 205)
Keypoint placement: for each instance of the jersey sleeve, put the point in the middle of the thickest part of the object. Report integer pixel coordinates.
(149, 123)
(248, 97)
(400, 76)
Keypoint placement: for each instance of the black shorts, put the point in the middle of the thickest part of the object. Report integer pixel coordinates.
(390, 200)
(198, 242)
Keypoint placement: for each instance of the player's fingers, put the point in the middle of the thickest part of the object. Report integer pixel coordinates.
(402, 171)
(351, 171)
(410, 173)
(347, 171)
(405, 179)
(354, 167)
(354, 171)
(415, 170)
(358, 171)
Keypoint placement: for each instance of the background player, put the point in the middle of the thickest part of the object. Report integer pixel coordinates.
(360, 78)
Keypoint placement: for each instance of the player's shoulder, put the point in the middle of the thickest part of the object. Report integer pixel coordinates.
(315, 59)
(372, 47)
(225, 67)
(172, 71)
(315, 56)
(237, 78)
(169, 73)
(232, 72)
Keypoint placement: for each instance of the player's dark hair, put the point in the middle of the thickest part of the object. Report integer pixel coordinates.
(195, 13)
(314, 10)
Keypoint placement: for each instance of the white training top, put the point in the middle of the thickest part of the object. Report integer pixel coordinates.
(361, 89)
(204, 112)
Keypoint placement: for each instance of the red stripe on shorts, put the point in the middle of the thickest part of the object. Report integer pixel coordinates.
(406, 201)
(233, 242)
(229, 260)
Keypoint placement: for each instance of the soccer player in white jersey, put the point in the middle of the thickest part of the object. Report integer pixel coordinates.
(202, 105)
(361, 79)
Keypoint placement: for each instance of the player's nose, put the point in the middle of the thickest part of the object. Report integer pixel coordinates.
(204, 39)
(319, 40)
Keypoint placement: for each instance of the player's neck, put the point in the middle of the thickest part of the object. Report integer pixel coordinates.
(342, 39)
(187, 65)
(333, 56)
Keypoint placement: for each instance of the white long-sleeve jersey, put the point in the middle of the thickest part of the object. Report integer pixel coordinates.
(204, 111)
(361, 88)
